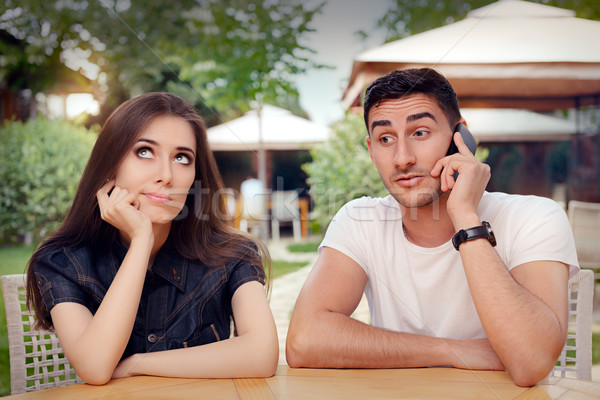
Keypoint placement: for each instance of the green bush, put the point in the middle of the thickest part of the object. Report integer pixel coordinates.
(42, 162)
(342, 170)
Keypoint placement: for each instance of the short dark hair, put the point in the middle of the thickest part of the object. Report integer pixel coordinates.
(405, 82)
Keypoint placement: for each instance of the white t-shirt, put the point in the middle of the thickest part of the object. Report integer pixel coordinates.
(424, 290)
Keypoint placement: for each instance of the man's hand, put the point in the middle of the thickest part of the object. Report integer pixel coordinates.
(475, 354)
(468, 188)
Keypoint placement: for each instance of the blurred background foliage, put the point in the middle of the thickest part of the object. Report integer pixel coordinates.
(222, 57)
(218, 55)
(341, 169)
(42, 162)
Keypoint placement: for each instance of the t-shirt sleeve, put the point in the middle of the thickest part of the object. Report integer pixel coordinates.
(344, 233)
(544, 233)
(57, 277)
(244, 272)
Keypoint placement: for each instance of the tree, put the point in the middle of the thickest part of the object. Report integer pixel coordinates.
(219, 54)
(407, 17)
(341, 169)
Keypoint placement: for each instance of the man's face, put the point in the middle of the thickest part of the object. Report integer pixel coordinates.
(407, 137)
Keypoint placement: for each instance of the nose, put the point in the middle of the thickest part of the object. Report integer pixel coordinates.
(164, 173)
(404, 157)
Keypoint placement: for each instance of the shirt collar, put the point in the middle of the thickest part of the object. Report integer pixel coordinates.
(168, 264)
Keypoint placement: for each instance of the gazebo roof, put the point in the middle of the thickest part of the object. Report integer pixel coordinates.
(510, 53)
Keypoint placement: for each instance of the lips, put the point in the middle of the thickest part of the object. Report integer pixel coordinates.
(408, 180)
(157, 198)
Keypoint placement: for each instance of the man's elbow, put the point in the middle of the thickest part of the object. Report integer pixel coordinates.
(531, 371)
(296, 349)
(528, 378)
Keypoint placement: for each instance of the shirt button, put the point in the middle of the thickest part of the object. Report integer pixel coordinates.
(152, 338)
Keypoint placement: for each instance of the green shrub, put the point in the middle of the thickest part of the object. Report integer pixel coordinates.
(41, 164)
(342, 170)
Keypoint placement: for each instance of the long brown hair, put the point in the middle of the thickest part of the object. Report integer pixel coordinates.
(202, 231)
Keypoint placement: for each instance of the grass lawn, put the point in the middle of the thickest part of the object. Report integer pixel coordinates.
(305, 247)
(280, 268)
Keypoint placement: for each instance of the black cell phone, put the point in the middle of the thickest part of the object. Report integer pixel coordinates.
(467, 138)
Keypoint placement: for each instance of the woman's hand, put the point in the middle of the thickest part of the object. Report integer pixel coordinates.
(121, 210)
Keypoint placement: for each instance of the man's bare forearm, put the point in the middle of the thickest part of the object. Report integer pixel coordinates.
(524, 327)
(334, 340)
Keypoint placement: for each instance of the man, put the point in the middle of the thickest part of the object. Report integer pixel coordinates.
(486, 306)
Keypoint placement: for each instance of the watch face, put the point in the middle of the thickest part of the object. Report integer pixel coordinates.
(491, 236)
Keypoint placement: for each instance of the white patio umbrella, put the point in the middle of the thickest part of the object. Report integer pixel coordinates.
(279, 128)
(511, 125)
(510, 53)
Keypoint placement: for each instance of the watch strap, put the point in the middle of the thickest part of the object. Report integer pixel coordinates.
(484, 231)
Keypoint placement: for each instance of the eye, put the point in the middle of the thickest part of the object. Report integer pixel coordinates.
(144, 152)
(386, 139)
(420, 133)
(183, 159)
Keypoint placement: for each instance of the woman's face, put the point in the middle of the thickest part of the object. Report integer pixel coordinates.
(160, 168)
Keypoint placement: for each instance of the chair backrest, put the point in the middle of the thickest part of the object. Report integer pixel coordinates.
(585, 223)
(37, 360)
(576, 356)
(284, 205)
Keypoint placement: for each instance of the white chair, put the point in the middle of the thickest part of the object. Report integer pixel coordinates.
(37, 360)
(285, 208)
(584, 218)
(581, 292)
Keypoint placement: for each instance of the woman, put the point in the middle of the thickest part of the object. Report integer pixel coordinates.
(145, 273)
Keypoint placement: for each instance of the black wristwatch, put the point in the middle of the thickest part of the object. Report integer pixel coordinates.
(479, 232)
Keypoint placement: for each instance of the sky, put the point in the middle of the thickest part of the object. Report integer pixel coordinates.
(336, 44)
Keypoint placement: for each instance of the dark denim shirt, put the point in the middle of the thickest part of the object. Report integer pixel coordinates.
(183, 304)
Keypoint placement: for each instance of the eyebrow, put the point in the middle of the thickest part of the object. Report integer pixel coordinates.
(410, 118)
(417, 116)
(381, 122)
(155, 143)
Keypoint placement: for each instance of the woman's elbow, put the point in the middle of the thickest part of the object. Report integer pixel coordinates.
(94, 377)
(265, 358)
(266, 368)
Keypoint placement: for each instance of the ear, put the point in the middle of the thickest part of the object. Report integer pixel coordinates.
(462, 121)
(368, 139)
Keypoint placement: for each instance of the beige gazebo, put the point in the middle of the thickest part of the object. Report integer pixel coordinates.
(509, 53)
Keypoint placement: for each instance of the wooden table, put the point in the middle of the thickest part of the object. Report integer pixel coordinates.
(290, 383)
